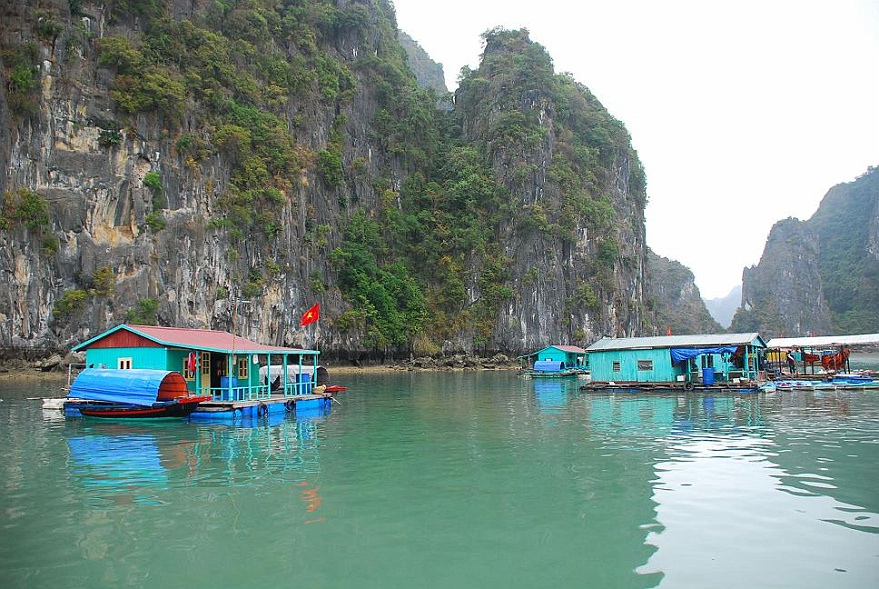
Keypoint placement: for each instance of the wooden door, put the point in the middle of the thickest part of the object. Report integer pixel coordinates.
(205, 370)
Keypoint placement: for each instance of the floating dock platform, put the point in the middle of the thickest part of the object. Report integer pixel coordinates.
(672, 387)
(228, 411)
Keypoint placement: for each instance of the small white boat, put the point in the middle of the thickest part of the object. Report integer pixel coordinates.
(56, 402)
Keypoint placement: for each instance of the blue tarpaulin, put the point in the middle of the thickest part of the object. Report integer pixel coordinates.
(133, 387)
(681, 354)
(548, 366)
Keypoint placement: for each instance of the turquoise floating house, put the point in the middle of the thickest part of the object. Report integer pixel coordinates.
(243, 378)
(558, 360)
(678, 360)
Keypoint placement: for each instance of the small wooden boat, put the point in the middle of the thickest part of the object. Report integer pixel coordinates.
(127, 394)
(335, 388)
(841, 381)
(176, 408)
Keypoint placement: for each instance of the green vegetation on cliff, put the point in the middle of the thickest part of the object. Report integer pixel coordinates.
(675, 299)
(847, 226)
(331, 168)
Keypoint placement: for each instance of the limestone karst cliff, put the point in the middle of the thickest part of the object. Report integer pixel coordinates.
(428, 73)
(782, 295)
(675, 300)
(228, 164)
(819, 276)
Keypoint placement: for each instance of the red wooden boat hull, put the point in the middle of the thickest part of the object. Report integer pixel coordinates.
(335, 388)
(181, 407)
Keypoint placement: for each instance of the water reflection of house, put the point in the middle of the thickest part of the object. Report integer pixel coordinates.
(664, 414)
(127, 463)
(551, 395)
(292, 447)
(119, 463)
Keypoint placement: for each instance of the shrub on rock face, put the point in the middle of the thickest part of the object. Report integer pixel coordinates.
(25, 208)
(71, 302)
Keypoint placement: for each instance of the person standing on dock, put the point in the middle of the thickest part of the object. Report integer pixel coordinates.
(791, 362)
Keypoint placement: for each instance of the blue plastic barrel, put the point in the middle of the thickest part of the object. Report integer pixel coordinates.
(305, 386)
(707, 376)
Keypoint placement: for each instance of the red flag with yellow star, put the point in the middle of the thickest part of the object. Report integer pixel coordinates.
(311, 315)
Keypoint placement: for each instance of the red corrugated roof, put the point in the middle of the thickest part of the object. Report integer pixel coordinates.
(572, 349)
(183, 337)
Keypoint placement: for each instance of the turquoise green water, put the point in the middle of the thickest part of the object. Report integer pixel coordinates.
(451, 480)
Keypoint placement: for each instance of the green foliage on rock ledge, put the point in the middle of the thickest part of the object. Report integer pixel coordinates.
(28, 210)
(25, 208)
(70, 302)
(389, 305)
(145, 313)
(21, 76)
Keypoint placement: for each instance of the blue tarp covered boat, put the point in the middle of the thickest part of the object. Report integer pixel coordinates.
(102, 392)
(553, 368)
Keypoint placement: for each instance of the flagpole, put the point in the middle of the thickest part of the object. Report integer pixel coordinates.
(232, 359)
(310, 316)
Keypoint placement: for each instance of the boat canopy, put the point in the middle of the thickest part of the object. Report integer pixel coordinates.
(823, 340)
(293, 371)
(549, 366)
(681, 354)
(132, 387)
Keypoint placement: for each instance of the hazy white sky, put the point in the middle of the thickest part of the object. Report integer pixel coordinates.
(743, 112)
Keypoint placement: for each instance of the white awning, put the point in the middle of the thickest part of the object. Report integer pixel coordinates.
(823, 340)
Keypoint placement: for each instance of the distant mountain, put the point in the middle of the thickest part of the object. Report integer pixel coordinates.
(428, 73)
(723, 308)
(674, 298)
(819, 276)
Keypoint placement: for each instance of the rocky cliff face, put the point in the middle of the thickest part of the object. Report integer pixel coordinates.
(783, 295)
(428, 72)
(847, 226)
(819, 276)
(575, 252)
(162, 240)
(675, 299)
(212, 165)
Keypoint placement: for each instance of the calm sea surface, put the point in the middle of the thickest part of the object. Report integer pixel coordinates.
(477, 479)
